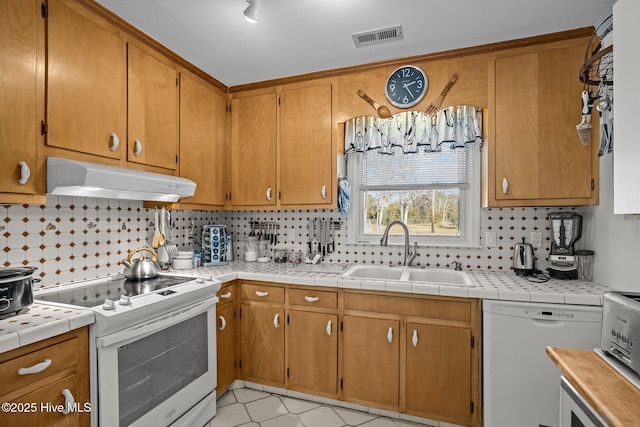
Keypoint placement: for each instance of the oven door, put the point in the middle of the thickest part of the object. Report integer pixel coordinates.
(574, 410)
(155, 372)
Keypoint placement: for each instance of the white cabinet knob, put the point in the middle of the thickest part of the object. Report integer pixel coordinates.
(68, 401)
(226, 296)
(390, 335)
(324, 192)
(329, 328)
(223, 323)
(25, 173)
(115, 141)
(311, 299)
(268, 194)
(262, 294)
(35, 369)
(505, 185)
(276, 320)
(137, 147)
(414, 338)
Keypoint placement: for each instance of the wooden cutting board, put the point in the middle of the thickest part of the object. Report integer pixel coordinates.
(615, 399)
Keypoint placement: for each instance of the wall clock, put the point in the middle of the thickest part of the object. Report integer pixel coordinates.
(406, 86)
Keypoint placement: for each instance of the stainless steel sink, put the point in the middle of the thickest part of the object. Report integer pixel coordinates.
(430, 276)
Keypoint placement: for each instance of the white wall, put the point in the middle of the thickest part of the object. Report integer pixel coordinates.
(614, 238)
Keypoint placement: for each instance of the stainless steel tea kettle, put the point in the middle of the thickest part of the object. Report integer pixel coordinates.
(523, 259)
(141, 268)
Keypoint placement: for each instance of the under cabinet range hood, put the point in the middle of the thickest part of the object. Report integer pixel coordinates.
(74, 178)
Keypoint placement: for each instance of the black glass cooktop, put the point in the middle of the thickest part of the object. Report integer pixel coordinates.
(94, 294)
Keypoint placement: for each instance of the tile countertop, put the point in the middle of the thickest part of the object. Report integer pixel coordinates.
(495, 285)
(42, 321)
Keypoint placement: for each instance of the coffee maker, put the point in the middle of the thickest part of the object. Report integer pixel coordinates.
(566, 229)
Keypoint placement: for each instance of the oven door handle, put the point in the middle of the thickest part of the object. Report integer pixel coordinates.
(156, 325)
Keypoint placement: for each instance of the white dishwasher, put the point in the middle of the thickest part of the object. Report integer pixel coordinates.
(521, 385)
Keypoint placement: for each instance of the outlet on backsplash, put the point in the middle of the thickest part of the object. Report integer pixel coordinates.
(536, 239)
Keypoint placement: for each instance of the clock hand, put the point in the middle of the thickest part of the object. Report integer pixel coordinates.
(406, 86)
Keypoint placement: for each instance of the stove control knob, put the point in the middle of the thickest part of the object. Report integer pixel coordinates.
(208, 277)
(109, 305)
(124, 300)
(199, 279)
(630, 342)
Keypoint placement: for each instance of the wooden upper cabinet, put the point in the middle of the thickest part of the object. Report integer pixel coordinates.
(307, 148)
(253, 150)
(203, 144)
(20, 114)
(152, 110)
(86, 82)
(535, 156)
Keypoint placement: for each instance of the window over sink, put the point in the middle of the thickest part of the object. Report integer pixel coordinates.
(419, 168)
(436, 194)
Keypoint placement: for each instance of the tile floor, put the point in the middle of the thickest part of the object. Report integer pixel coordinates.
(252, 408)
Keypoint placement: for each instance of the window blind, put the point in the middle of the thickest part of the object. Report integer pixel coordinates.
(447, 167)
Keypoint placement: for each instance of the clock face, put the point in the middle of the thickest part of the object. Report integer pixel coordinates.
(406, 86)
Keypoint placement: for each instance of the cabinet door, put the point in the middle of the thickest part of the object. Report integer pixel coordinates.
(226, 345)
(439, 372)
(152, 111)
(371, 358)
(537, 148)
(86, 82)
(313, 351)
(203, 145)
(306, 146)
(18, 72)
(49, 395)
(262, 343)
(253, 151)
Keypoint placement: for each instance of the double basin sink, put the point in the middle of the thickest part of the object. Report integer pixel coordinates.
(430, 276)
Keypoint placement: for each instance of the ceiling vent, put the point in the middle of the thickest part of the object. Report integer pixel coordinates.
(369, 38)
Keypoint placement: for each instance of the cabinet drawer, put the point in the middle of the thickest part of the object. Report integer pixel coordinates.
(410, 306)
(226, 293)
(311, 298)
(50, 394)
(262, 293)
(62, 355)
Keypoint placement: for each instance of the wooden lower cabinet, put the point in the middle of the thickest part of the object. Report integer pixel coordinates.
(262, 343)
(371, 361)
(226, 345)
(439, 372)
(313, 352)
(37, 396)
(413, 354)
(36, 416)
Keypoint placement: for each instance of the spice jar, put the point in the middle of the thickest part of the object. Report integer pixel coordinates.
(280, 255)
(295, 257)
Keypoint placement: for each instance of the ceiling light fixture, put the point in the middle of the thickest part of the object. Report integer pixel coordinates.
(251, 12)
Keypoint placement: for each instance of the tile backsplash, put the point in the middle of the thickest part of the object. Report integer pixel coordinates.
(76, 238)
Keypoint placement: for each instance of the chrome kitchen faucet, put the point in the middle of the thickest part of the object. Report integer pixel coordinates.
(385, 237)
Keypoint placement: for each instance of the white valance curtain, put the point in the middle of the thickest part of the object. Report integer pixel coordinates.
(415, 131)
